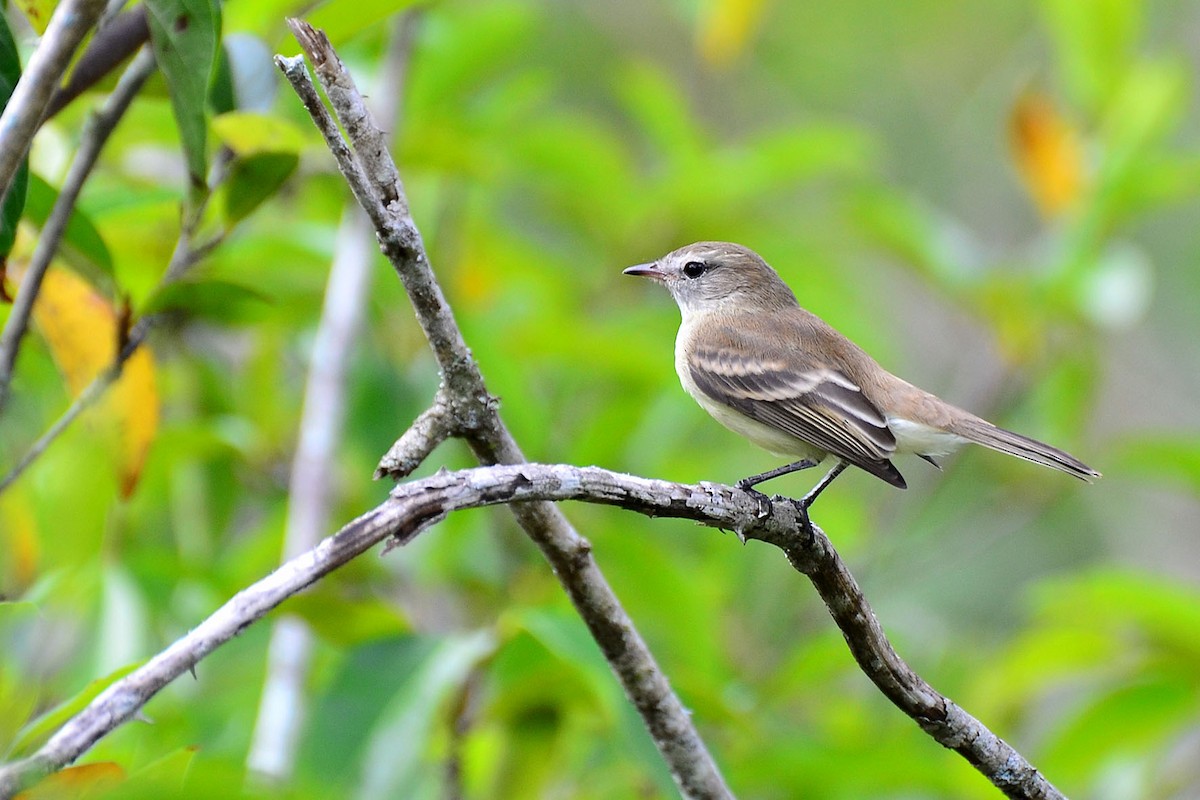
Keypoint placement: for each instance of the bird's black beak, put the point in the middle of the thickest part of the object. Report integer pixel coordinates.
(646, 271)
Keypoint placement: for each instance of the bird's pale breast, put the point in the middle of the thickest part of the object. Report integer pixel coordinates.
(767, 437)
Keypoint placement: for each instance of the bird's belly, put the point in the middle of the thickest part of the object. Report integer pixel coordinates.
(913, 437)
(770, 439)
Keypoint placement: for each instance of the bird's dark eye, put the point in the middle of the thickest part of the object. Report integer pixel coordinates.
(694, 269)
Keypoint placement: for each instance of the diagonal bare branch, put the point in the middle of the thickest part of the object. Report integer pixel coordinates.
(374, 179)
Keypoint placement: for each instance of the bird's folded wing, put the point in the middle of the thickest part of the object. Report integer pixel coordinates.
(817, 405)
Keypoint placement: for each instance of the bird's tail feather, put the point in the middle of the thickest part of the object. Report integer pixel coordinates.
(1005, 441)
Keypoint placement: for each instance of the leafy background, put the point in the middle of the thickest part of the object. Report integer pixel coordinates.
(998, 200)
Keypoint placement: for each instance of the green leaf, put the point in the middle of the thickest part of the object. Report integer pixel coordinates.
(1151, 458)
(659, 107)
(13, 206)
(10, 61)
(1166, 614)
(221, 96)
(351, 700)
(343, 620)
(564, 636)
(1129, 719)
(249, 133)
(37, 732)
(1095, 43)
(185, 35)
(164, 777)
(19, 695)
(212, 299)
(1041, 658)
(14, 200)
(413, 714)
(18, 699)
(81, 240)
(252, 181)
(343, 19)
(1145, 106)
(909, 230)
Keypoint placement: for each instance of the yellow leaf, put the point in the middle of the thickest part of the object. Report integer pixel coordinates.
(84, 780)
(1048, 153)
(135, 400)
(725, 29)
(37, 12)
(80, 328)
(19, 538)
(247, 133)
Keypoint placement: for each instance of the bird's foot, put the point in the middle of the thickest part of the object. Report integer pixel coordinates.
(801, 507)
(764, 502)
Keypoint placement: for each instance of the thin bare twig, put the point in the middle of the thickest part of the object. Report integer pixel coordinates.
(434, 425)
(412, 505)
(375, 181)
(98, 128)
(68, 25)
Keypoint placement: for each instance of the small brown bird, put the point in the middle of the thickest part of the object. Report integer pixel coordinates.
(780, 376)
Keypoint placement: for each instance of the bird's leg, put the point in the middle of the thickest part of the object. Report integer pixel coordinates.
(803, 503)
(764, 502)
(754, 480)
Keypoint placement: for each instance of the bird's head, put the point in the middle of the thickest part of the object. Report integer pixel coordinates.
(718, 277)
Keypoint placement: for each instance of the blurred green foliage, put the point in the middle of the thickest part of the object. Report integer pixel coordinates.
(864, 150)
